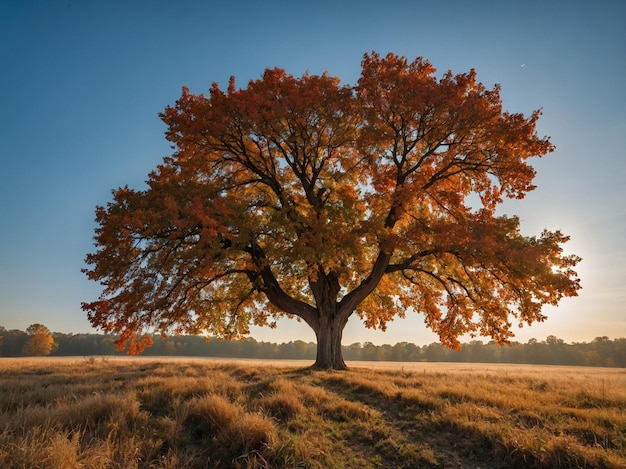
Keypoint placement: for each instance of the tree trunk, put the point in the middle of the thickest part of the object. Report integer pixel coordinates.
(329, 355)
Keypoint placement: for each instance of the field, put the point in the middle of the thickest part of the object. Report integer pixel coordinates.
(197, 413)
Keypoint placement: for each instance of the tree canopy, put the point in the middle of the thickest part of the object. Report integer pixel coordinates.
(317, 200)
(40, 341)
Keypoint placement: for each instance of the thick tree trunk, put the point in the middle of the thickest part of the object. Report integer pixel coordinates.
(329, 355)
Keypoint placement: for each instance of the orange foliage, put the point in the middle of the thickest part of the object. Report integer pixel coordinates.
(305, 197)
(40, 341)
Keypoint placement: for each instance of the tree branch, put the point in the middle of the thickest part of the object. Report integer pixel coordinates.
(349, 302)
(274, 292)
(406, 263)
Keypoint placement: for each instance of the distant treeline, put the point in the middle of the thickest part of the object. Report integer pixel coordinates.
(601, 351)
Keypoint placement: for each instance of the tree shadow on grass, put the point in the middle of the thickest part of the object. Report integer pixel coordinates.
(416, 429)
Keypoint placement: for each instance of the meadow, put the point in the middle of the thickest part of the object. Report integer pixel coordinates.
(99, 412)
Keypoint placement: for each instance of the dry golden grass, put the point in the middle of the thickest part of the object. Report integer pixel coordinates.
(198, 413)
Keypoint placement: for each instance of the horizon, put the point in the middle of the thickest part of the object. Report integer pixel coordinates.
(471, 341)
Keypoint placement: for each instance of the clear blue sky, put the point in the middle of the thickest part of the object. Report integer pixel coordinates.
(82, 83)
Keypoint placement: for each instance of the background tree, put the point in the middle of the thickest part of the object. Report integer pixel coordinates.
(12, 342)
(304, 197)
(40, 341)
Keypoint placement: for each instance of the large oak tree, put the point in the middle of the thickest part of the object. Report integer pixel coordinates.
(312, 199)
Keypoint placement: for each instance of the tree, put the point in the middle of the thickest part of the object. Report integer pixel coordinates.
(316, 200)
(40, 341)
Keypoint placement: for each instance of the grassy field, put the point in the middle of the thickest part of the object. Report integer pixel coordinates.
(195, 413)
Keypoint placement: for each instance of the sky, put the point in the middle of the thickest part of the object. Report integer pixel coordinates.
(82, 83)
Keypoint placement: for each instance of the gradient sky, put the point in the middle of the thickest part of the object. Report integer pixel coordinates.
(82, 82)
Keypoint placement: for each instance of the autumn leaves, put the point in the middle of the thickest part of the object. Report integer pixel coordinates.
(306, 197)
